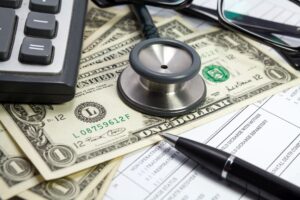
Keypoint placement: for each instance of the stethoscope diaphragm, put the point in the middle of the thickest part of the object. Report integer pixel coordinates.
(163, 78)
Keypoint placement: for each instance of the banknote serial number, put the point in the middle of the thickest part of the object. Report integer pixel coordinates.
(102, 125)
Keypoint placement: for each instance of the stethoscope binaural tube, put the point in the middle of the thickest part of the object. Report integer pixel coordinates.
(163, 78)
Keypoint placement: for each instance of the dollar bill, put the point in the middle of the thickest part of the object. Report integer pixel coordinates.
(125, 23)
(76, 186)
(99, 192)
(97, 17)
(122, 25)
(172, 28)
(17, 174)
(97, 126)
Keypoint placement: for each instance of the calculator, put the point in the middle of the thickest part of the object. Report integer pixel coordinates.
(40, 48)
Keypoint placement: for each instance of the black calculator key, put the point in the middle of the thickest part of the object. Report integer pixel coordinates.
(48, 6)
(8, 22)
(36, 51)
(40, 25)
(11, 3)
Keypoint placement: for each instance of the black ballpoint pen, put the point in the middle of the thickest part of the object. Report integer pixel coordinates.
(235, 170)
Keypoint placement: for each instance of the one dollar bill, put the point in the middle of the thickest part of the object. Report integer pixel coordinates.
(97, 18)
(123, 24)
(99, 192)
(77, 186)
(172, 28)
(17, 174)
(97, 126)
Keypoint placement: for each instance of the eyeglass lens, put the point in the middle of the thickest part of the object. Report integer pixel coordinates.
(278, 20)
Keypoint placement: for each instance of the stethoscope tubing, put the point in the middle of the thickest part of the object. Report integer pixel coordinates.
(145, 21)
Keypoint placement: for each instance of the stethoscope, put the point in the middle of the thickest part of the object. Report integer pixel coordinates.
(162, 78)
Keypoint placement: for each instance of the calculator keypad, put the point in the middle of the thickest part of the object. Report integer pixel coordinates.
(40, 46)
(37, 19)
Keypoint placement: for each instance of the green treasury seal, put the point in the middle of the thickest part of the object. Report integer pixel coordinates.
(215, 73)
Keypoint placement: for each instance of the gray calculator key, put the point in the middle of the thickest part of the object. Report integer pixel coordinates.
(8, 22)
(48, 6)
(40, 25)
(36, 51)
(11, 3)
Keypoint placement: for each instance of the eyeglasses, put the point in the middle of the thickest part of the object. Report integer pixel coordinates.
(238, 16)
(285, 39)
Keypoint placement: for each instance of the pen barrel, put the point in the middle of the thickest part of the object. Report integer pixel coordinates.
(238, 171)
(261, 182)
(208, 157)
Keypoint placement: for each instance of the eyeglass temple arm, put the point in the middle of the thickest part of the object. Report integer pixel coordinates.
(264, 26)
(200, 12)
(293, 58)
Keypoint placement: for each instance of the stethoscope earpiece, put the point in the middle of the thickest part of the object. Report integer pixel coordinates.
(163, 78)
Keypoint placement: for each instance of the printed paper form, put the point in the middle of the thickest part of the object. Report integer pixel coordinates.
(266, 134)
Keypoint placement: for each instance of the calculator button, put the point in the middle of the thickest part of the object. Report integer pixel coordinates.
(40, 25)
(48, 6)
(11, 3)
(36, 51)
(8, 22)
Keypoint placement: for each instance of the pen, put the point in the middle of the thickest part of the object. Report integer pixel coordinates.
(235, 170)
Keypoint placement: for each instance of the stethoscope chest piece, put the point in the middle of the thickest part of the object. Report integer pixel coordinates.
(163, 78)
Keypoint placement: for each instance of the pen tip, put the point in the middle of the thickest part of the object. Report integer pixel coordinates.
(171, 139)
